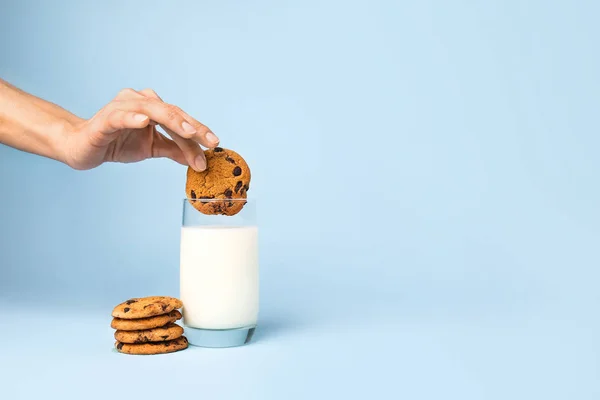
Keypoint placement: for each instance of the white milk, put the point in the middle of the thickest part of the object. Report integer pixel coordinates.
(219, 276)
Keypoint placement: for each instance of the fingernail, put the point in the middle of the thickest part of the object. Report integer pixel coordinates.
(200, 163)
(140, 117)
(188, 128)
(211, 137)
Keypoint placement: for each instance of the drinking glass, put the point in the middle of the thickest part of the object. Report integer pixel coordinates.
(219, 274)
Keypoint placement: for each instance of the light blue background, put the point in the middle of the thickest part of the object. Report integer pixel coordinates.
(427, 177)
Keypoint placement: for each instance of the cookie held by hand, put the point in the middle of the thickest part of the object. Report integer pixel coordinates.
(221, 188)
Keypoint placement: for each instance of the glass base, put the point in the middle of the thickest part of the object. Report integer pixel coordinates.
(219, 337)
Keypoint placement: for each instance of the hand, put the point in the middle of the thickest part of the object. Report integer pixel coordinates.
(125, 131)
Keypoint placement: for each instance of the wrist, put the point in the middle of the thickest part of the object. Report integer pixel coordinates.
(62, 134)
(60, 131)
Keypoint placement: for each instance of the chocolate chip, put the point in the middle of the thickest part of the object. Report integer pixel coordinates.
(120, 346)
(231, 160)
(218, 149)
(193, 194)
(138, 340)
(147, 305)
(247, 187)
(130, 302)
(126, 309)
(164, 307)
(228, 193)
(165, 337)
(237, 171)
(238, 186)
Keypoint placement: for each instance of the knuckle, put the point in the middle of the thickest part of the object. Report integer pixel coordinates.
(174, 107)
(144, 102)
(150, 92)
(173, 112)
(111, 107)
(115, 104)
(140, 105)
(127, 92)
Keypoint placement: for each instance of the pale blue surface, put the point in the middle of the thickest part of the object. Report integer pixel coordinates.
(428, 182)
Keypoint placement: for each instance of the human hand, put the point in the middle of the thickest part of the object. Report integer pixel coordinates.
(125, 131)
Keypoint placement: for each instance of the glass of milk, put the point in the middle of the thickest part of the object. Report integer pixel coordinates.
(219, 276)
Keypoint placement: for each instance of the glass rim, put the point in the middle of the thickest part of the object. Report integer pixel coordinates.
(217, 200)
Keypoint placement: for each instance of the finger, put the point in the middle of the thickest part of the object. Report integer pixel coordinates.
(131, 94)
(164, 147)
(165, 114)
(150, 93)
(204, 135)
(108, 122)
(120, 119)
(126, 94)
(153, 95)
(192, 152)
(181, 122)
(176, 146)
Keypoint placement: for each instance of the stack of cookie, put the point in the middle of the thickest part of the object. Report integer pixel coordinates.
(147, 326)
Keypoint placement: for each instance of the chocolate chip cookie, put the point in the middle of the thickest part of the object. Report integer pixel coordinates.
(222, 188)
(161, 334)
(145, 323)
(146, 307)
(169, 346)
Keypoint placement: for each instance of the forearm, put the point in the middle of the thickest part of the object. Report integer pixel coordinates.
(31, 124)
